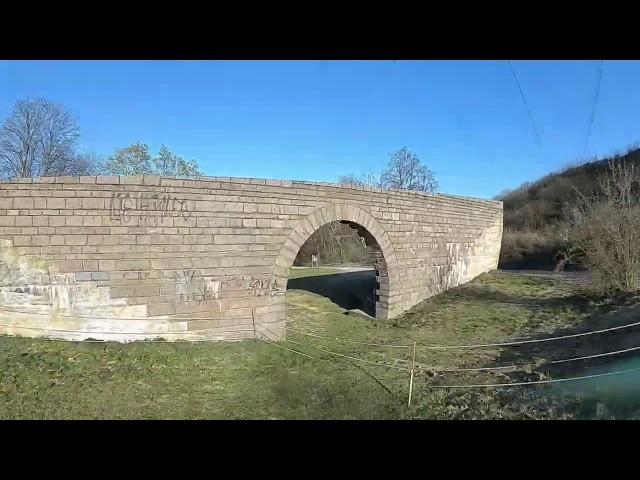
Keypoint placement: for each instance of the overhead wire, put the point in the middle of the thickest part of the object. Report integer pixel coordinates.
(524, 100)
(595, 104)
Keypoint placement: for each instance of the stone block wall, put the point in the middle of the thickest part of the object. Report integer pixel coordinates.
(130, 258)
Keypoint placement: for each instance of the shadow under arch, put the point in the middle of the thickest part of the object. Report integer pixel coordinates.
(382, 253)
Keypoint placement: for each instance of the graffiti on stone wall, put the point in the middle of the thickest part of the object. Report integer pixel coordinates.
(192, 286)
(265, 286)
(124, 204)
(257, 286)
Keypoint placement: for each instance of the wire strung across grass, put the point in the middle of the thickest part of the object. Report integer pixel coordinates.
(484, 345)
(346, 340)
(420, 367)
(371, 344)
(291, 350)
(522, 366)
(492, 385)
(536, 382)
(514, 367)
(330, 352)
(363, 360)
(335, 362)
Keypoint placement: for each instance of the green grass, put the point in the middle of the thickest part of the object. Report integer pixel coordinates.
(47, 379)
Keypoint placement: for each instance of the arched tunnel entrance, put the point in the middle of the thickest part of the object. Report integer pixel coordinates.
(343, 262)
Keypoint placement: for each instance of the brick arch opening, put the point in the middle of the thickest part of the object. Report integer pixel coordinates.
(381, 250)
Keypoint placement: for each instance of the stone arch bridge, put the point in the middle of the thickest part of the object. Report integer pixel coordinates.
(143, 257)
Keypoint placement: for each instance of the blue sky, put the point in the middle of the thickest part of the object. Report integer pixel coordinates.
(315, 120)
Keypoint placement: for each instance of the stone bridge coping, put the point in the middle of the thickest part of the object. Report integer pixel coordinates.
(155, 180)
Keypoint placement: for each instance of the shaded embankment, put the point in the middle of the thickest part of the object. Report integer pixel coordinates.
(349, 290)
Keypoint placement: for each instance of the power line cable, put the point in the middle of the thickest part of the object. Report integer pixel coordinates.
(595, 104)
(524, 100)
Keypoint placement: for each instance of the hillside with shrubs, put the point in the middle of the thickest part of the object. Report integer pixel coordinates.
(540, 217)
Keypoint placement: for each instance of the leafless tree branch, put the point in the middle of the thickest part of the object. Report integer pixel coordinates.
(405, 171)
(38, 139)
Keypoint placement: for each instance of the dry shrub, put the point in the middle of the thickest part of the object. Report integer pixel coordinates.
(606, 226)
(517, 245)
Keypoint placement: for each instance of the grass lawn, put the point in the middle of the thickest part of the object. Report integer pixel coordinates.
(45, 379)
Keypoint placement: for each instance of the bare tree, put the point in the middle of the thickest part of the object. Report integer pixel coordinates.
(350, 179)
(405, 171)
(37, 139)
(370, 178)
(84, 164)
(367, 178)
(605, 228)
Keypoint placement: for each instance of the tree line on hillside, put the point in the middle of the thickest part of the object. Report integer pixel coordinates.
(587, 214)
(40, 138)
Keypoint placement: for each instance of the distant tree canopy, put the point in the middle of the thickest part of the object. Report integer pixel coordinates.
(39, 138)
(349, 179)
(367, 178)
(170, 165)
(403, 171)
(85, 164)
(137, 160)
(406, 171)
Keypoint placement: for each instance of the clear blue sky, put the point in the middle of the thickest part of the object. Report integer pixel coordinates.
(314, 120)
